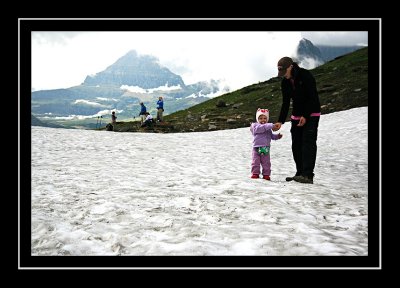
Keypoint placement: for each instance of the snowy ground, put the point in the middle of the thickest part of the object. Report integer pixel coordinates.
(107, 193)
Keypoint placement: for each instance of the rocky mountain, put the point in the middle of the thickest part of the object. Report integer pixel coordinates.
(310, 56)
(133, 70)
(121, 86)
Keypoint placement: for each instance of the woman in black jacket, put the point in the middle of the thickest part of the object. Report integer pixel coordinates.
(298, 85)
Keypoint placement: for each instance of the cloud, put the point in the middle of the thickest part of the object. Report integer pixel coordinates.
(164, 88)
(53, 38)
(88, 103)
(309, 63)
(65, 59)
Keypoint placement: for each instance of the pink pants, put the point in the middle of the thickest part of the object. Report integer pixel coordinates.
(258, 159)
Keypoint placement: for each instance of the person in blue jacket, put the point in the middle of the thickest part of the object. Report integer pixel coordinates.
(142, 113)
(160, 109)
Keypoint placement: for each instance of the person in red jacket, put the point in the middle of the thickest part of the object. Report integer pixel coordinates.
(298, 85)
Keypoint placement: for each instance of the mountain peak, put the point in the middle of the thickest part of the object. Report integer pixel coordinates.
(305, 41)
(131, 52)
(133, 59)
(132, 69)
(308, 55)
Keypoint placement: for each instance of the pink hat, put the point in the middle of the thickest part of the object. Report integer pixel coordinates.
(262, 112)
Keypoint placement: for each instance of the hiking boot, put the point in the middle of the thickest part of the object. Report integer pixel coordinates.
(255, 176)
(291, 178)
(266, 177)
(303, 179)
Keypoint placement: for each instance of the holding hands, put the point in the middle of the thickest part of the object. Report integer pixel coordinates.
(277, 126)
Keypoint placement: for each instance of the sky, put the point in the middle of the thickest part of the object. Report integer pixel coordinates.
(109, 193)
(238, 59)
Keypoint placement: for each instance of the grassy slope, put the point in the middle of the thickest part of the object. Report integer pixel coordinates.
(341, 83)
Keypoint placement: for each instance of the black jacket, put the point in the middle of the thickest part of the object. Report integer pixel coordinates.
(303, 92)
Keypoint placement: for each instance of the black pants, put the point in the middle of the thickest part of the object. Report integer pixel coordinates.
(304, 146)
(147, 123)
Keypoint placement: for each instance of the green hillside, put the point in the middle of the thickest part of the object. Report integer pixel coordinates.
(341, 83)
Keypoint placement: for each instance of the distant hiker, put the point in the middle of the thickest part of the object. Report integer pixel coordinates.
(262, 135)
(148, 122)
(142, 113)
(113, 118)
(160, 109)
(298, 85)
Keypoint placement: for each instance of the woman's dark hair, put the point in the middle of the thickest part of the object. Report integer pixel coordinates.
(295, 69)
